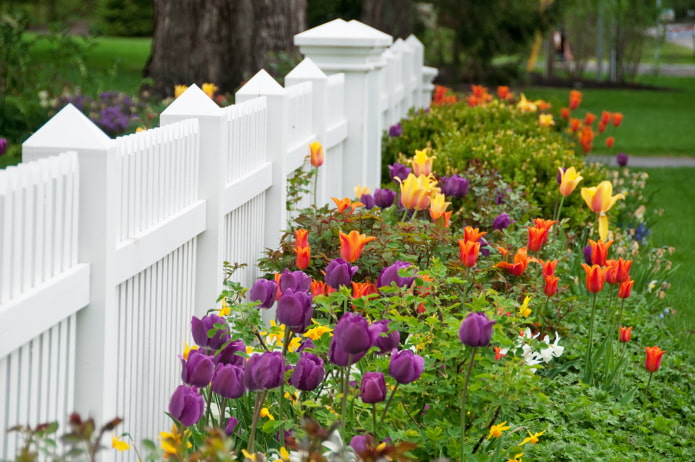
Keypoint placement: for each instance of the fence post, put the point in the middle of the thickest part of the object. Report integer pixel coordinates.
(96, 343)
(406, 53)
(418, 63)
(428, 76)
(262, 84)
(356, 50)
(194, 103)
(308, 71)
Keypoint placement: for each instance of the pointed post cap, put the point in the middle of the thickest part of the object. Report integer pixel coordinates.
(412, 40)
(68, 129)
(341, 33)
(192, 103)
(306, 70)
(261, 84)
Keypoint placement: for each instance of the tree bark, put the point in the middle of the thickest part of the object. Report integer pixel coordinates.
(219, 41)
(395, 17)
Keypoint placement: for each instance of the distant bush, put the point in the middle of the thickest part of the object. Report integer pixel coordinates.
(127, 18)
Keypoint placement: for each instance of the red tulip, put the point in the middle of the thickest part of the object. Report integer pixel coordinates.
(595, 277)
(653, 361)
(625, 288)
(468, 252)
(625, 334)
(551, 285)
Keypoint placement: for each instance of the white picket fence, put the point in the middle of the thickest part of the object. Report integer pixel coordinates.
(109, 246)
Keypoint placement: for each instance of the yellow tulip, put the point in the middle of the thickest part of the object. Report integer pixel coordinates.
(438, 206)
(546, 120)
(179, 89)
(361, 190)
(416, 190)
(569, 179)
(526, 105)
(422, 163)
(317, 154)
(600, 199)
(210, 89)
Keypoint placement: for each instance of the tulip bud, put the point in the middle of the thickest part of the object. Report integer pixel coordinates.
(501, 222)
(263, 291)
(387, 342)
(229, 381)
(476, 330)
(395, 130)
(368, 201)
(653, 360)
(360, 443)
(339, 273)
(232, 422)
(264, 371)
(200, 328)
(186, 405)
(308, 372)
(352, 334)
(373, 388)
(197, 369)
(389, 275)
(294, 310)
(228, 354)
(399, 171)
(384, 197)
(625, 334)
(406, 366)
(341, 358)
(297, 280)
(454, 186)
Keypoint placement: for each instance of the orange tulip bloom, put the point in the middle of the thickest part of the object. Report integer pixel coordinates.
(320, 288)
(575, 99)
(653, 361)
(551, 285)
(601, 127)
(303, 257)
(625, 288)
(610, 141)
(586, 138)
(317, 154)
(345, 203)
(438, 206)
(548, 267)
(472, 234)
(605, 117)
(498, 353)
(536, 238)
(363, 289)
(543, 223)
(565, 113)
(595, 277)
(617, 119)
(503, 92)
(623, 270)
(301, 238)
(468, 252)
(599, 252)
(351, 245)
(625, 334)
(589, 118)
(575, 124)
(517, 268)
(472, 100)
(612, 271)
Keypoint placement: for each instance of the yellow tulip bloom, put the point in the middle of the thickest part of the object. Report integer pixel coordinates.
(600, 199)
(179, 89)
(569, 179)
(118, 444)
(210, 89)
(416, 191)
(525, 105)
(422, 163)
(317, 154)
(360, 190)
(546, 120)
(438, 206)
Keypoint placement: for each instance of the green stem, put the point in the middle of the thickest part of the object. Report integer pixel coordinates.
(346, 381)
(374, 421)
(405, 214)
(557, 214)
(649, 381)
(464, 395)
(281, 399)
(260, 397)
(388, 403)
(316, 180)
(208, 411)
(589, 366)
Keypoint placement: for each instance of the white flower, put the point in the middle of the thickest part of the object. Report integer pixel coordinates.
(553, 351)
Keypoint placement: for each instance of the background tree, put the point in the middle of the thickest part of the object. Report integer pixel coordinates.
(219, 41)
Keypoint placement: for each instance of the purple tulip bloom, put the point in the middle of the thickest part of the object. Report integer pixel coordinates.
(387, 342)
(229, 381)
(476, 330)
(390, 275)
(368, 201)
(502, 221)
(232, 422)
(3, 146)
(198, 369)
(264, 371)
(454, 185)
(339, 273)
(360, 443)
(186, 405)
(308, 372)
(307, 344)
(263, 291)
(395, 130)
(352, 334)
(200, 328)
(373, 387)
(399, 171)
(621, 159)
(484, 247)
(588, 253)
(384, 197)
(295, 310)
(341, 358)
(560, 171)
(297, 280)
(406, 366)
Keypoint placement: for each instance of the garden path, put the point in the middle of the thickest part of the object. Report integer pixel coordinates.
(648, 162)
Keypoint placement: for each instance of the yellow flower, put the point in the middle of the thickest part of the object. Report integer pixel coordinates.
(524, 310)
(248, 456)
(284, 455)
(422, 163)
(569, 179)
(546, 120)
(187, 349)
(140, 129)
(171, 442)
(532, 438)
(525, 105)
(317, 332)
(360, 190)
(517, 458)
(496, 430)
(317, 155)
(118, 444)
(249, 350)
(416, 191)
(438, 205)
(210, 89)
(266, 413)
(600, 199)
(294, 345)
(225, 310)
(179, 89)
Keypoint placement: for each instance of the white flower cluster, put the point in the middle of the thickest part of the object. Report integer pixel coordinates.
(533, 357)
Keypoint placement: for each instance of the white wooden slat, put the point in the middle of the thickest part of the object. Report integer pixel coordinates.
(28, 206)
(54, 400)
(18, 234)
(4, 406)
(71, 353)
(5, 236)
(34, 395)
(45, 381)
(76, 212)
(13, 393)
(62, 390)
(40, 230)
(65, 168)
(58, 230)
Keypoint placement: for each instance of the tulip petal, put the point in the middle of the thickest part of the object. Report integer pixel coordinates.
(603, 226)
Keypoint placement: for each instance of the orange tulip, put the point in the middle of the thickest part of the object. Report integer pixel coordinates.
(548, 267)
(575, 124)
(351, 245)
(517, 268)
(575, 99)
(345, 203)
(617, 119)
(601, 127)
(565, 113)
(625, 334)
(551, 285)
(317, 154)
(301, 238)
(569, 179)
(610, 141)
(612, 271)
(543, 223)
(468, 252)
(536, 238)
(589, 118)
(599, 252)
(503, 92)
(320, 288)
(472, 100)
(605, 117)
(625, 288)
(363, 289)
(472, 234)
(543, 105)
(303, 257)
(586, 138)
(653, 361)
(595, 277)
(623, 270)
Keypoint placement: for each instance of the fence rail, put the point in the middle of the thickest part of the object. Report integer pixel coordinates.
(109, 246)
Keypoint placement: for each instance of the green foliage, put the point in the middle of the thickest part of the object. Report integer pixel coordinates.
(128, 18)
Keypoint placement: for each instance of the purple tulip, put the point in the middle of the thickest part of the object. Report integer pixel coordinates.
(395, 130)
(186, 405)
(368, 201)
(501, 222)
(454, 185)
(341, 358)
(560, 171)
(295, 310)
(339, 273)
(588, 253)
(360, 443)
(621, 159)
(308, 372)
(384, 197)
(373, 387)
(3, 146)
(484, 247)
(406, 366)
(389, 275)
(198, 369)
(232, 422)
(352, 334)
(229, 381)
(263, 291)
(387, 342)
(264, 371)
(228, 354)
(307, 344)
(399, 171)
(297, 280)
(200, 328)
(476, 330)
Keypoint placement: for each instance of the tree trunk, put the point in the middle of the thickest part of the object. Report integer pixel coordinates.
(219, 41)
(395, 17)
